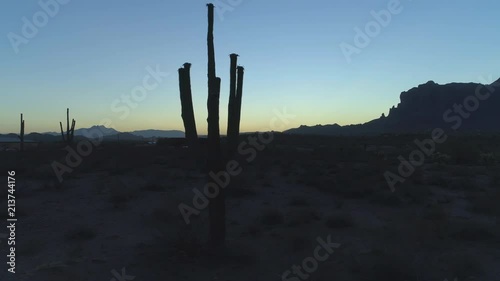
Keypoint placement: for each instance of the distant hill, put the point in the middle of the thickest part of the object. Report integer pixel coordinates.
(123, 137)
(151, 133)
(86, 131)
(109, 134)
(159, 133)
(426, 107)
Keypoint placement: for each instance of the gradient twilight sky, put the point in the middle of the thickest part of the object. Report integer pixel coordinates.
(92, 52)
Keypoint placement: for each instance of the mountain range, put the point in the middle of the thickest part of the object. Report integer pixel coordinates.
(455, 107)
(107, 133)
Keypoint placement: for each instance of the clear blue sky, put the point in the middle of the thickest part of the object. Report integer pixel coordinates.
(90, 53)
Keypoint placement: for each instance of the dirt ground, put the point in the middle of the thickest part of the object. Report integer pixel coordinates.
(116, 215)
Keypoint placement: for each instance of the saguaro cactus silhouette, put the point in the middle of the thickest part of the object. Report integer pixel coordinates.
(21, 135)
(215, 161)
(69, 131)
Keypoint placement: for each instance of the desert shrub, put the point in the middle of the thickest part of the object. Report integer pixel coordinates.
(240, 192)
(153, 187)
(302, 216)
(463, 183)
(311, 176)
(392, 267)
(415, 193)
(463, 266)
(462, 152)
(298, 201)
(339, 220)
(272, 217)
(121, 192)
(187, 244)
(253, 230)
(462, 171)
(418, 176)
(386, 198)
(299, 243)
(30, 247)
(437, 179)
(80, 233)
(471, 231)
(435, 213)
(487, 159)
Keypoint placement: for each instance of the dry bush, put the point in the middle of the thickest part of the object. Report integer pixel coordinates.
(272, 217)
(80, 233)
(297, 201)
(301, 216)
(462, 266)
(339, 220)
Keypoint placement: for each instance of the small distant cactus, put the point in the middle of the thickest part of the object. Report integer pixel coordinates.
(68, 138)
(21, 134)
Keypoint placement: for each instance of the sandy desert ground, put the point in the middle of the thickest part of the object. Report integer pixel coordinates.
(116, 216)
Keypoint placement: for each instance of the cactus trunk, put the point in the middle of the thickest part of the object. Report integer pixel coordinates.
(239, 95)
(187, 106)
(217, 207)
(231, 137)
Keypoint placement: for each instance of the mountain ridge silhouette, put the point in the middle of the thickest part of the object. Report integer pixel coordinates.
(426, 107)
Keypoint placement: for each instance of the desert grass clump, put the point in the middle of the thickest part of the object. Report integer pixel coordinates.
(272, 216)
(254, 230)
(30, 247)
(471, 231)
(187, 244)
(154, 187)
(386, 198)
(486, 203)
(302, 216)
(121, 192)
(240, 192)
(462, 266)
(463, 183)
(437, 179)
(417, 194)
(297, 201)
(339, 220)
(392, 267)
(80, 233)
(435, 213)
(299, 243)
